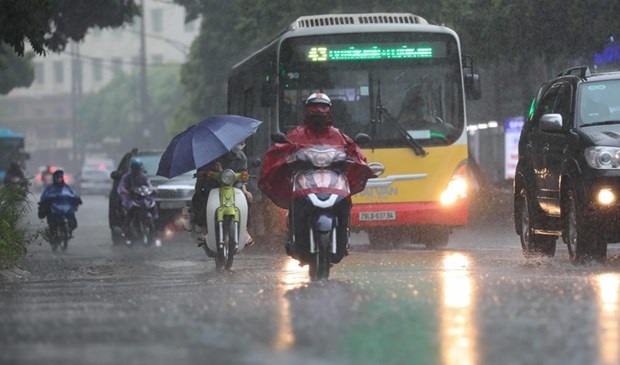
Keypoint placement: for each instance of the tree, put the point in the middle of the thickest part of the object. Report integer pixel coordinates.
(48, 25)
(114, 110)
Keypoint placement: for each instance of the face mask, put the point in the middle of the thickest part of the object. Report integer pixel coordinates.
(317, 121)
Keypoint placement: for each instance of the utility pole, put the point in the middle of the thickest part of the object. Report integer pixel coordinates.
(144, 96)
(76, 94)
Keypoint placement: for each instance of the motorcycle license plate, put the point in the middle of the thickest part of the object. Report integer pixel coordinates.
(389, 215)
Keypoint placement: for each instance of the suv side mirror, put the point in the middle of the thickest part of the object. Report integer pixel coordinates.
(115, 175)
(551, 122)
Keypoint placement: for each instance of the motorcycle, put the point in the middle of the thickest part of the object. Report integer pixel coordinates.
(58, 232)
(140, 226)
(317, 235)
(227, 218)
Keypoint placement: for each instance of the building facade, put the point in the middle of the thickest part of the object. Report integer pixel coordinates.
(44, 112)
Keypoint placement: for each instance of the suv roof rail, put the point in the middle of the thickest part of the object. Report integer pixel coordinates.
(582, 71)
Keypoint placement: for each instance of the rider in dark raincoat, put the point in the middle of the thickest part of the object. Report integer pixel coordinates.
(59, 200)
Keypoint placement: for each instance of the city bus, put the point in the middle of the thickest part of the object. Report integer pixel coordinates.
(392, 76)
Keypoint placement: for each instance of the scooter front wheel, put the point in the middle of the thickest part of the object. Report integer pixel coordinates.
(226, 245)
(318, 268)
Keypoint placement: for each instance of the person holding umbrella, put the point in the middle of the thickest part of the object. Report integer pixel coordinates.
(213, 144)
(235, 160)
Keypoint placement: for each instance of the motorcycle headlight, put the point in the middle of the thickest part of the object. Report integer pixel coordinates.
(227, 177)
(601, 157)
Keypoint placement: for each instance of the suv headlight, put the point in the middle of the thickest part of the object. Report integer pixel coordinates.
(603, 157)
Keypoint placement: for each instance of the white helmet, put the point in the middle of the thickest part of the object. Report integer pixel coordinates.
(318, 98)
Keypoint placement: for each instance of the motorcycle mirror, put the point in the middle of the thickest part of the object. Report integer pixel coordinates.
(279, 137)
(362, 138)
(256, 162)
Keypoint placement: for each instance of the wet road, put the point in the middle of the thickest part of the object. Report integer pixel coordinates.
(476, 302)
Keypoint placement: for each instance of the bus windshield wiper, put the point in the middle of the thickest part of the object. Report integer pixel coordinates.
(605, 122)
(417, 148)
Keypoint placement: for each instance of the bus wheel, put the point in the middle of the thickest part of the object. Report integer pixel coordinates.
(380, 238)
(435, 237)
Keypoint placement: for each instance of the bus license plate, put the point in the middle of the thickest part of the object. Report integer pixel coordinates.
(389, 215)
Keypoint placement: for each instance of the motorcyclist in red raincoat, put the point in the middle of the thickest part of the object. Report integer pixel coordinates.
(317, 129)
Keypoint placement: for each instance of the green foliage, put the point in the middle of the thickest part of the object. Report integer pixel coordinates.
(13, 238)
(115, 110)
(515, 33)
(14, 70)
(50, 24)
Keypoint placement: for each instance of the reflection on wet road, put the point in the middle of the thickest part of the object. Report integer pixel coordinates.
(457, 328)
(608, 317)
(476, 302)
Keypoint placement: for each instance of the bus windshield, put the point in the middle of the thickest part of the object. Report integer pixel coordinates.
(413, 78)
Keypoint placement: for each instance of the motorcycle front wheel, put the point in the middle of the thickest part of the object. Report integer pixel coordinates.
(226, 250)
(64, 235)
(318, 268)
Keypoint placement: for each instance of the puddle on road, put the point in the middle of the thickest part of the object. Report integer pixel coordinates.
(173, 264)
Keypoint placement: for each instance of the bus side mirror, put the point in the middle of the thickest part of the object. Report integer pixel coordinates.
(473, 91)
(268, 94)
(472, 87)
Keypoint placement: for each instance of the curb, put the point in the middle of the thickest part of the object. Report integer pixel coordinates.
(13, 274)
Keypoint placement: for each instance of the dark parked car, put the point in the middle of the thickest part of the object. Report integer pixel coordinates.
(567, 180)
(171, 196)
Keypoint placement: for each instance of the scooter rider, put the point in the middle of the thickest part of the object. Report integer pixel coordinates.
(59, 199)
(235, 160)
(317, 129)
(134, 178)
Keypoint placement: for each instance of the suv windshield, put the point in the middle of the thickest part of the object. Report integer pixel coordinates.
(599, 103)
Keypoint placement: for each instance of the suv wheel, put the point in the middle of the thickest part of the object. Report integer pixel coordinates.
(533, 244)
(582, 245)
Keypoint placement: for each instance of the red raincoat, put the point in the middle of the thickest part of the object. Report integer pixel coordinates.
(275, 178)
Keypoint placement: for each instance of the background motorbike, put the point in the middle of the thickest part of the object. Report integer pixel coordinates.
(59, 234)
(320, 191)
(140, 226)
(227, 219)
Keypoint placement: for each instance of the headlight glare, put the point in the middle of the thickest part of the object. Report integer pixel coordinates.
(606, 196)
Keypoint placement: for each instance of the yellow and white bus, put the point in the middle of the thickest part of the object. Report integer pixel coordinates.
(392, 76)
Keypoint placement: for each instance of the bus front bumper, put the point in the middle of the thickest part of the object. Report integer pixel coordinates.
(406, 214)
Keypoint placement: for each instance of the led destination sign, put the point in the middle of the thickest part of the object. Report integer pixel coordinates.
(370, 52)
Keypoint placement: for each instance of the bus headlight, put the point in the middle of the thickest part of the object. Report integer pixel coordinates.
(606, 196)
(457, 189)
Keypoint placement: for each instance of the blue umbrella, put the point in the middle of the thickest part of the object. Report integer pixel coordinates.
(204, 142)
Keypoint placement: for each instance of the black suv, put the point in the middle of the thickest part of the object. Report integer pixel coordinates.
(567, 180)
(172, 195)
